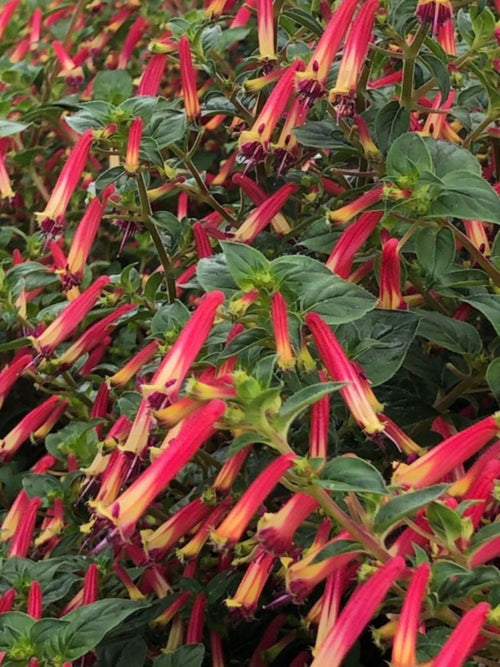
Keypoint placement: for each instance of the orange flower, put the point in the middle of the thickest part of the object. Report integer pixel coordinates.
(275, 531)
(133, 145)
(390, 278)
(279, 320)
(261, 216)
(349, 211)
(188, 77)
(265, 29)
(246, 598)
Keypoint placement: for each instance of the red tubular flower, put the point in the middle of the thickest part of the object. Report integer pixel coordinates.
(265, 29)
(388, 80)
(481, 490)
(261, 216)
(127, 509)
(7, 601)
(279, 321)
(202, 241)
(139, 433)
(157, 543)
(136, 31)
(6, 13)
(52, 526)
(402, 440)
(10, 443)
(440, 460)
(84, 238)
(350, 241)
(226, 476)
(243, 14)
(216, 649)
(11, 373)
(171, 611)
(194, 633)
(275, 531)
(435, 12)
(484, 553)
(335, 587)
(51, 218)
(95, 357)
(446, 37)
(259, 196)
(460, 643)
(34, 605)
(311, 82)
(246, 598)
(44, 429)
(254, 143)
(152, 75)
(476, 232)
(353, 59)
(191, 550)
(304, 575)
(269, 638)
(178, 360)
(287, 145)
(23, 534)
(349, 211)
(320, 419)
(118, 465)
(69, 69)
(92, 337)
(6, 191)
(91, 584)
(462, 485)
(390, 278)
(233, 526)
(356, 614)
(188, 76)
(69, 318)
(133, 146)
(405, 639)
(134, 365)
(358, 396)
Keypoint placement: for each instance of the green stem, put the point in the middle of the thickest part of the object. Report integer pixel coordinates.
(410, 59)
(477, 132)
(444, 403)
(147, 219)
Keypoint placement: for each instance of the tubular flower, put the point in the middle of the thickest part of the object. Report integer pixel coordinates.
(279, 320)
(462, 485)
(261, 216)
(476, 232)
(259, 196)
(446, 37)
(44, 429)
(10, 443)
(287, 144)
(265, 29)
(233, 526)
(349, 211)
(358, 396)
(128, 508)
(275, 531)
(152, 75)
(227, 474)
(133, 145)
(402, 441)
(369, 147)
(356, 614)
(194, 631)
(23, 533)
(166, 616)
(335, 586)
(350, 241)
(481, 490)
(34, 605)
(84, 238)
(191, 550)
(390, 278)
(52, 526)
(69, 69)
(202, 241)
(246, 598)
(311, 82)
(7, 602)
(320, 419)
(178, 360)
(459, 644)
(139, 433)
(353, 59)
(136, 31)
(51, 218)
(188, 76)
(6, 191)
(118, 465)
(11, 373)
(435, 12)
(405, 639)
(440, 460)
(254, 143)
(69, 318)
(157, 543)
(134, 365)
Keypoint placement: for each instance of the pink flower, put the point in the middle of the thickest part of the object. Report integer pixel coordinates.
(459, 644)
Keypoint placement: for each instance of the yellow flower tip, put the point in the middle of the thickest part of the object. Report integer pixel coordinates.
(231, 603)
(219, 541)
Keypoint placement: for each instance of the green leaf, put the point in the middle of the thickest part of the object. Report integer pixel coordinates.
(166, 127)
(213, 274)
(321, 134)
(451, 334)
(435, 250)
(246, 264)
(448, 157)
(349, 473)
(493, 378)
(301, 400)
(391, 121)
(437, 69)
(243, 440)
(452, 582)
(112, 86)
(303, 19)
(10, 127)
(488, 305)
(408, 157)
(379, 341)
(88, 625)
(92, 115)
(230, 37)
(14, 625)
(338, 548)
(191, 655)
(466, 195)
(120, 653)
(243, 341)
(318, 289)
(483, 536)
(445, 521)
(404, 505)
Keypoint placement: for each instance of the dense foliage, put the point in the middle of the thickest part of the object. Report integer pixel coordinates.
(250, 306)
